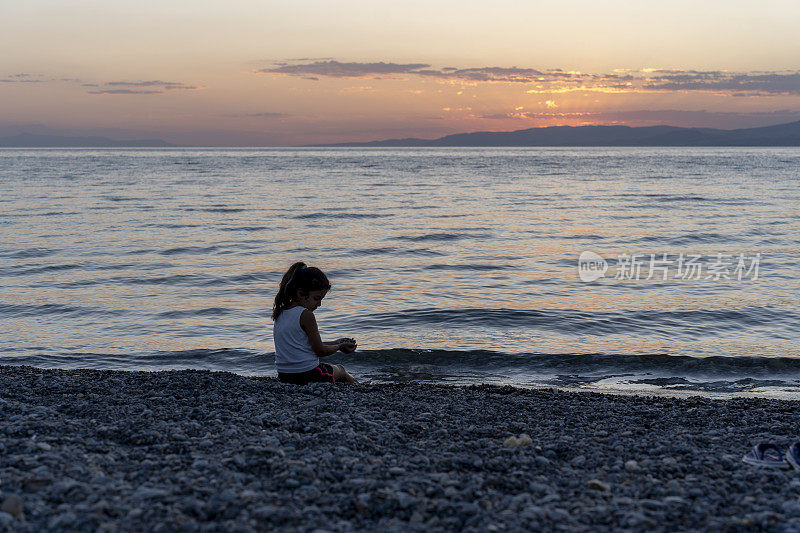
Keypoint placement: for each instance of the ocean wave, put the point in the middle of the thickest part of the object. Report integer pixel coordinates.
(669, 323)
(190, 313)
(582, 363)
(391, 250)
(27, 310)
(341, 215)
(33, 269)
(441, 237)
(247, 228)
(189, 250)
(28, 253)
(468, 267)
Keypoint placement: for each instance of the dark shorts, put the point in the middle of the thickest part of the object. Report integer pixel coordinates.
(321, 374)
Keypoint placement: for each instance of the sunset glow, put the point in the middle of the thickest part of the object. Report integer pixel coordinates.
(263, 73)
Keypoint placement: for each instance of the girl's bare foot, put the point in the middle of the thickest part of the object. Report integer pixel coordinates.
(340, 374)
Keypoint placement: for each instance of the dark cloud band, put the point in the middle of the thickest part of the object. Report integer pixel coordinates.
(649, 80)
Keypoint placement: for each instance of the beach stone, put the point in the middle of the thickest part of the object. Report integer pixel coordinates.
(515, 442)
(791, 508)
(404, 499)
(12, 504)
(697, 492)
(147, 493)
(6, 521)
(65, 521)
(36, 483)
(674, 500)
(596, 484)
(636, 519)
(632, 466)
(362, 503)
(653, 505)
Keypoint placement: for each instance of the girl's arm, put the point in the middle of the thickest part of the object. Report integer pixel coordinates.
(343, 340)
(309, 324)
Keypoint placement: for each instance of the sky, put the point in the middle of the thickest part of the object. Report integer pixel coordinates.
(263, 73)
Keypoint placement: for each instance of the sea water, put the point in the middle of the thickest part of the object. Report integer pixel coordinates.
(447, 265)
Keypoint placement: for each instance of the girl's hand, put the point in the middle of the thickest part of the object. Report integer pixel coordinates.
(347, 345)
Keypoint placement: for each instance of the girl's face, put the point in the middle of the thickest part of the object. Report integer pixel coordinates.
(310, 300)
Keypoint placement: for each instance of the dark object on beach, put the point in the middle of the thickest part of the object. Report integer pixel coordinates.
(766, 455)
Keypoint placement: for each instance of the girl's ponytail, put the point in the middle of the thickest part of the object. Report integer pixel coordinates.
(299, 276)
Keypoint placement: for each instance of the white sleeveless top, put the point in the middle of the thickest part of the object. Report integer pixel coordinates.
(293, 352)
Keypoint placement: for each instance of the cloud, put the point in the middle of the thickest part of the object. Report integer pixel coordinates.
(337, 69)
(356, 90)
(751, 83)
(22, 77)
(266, 114)
(111, 87)
(755, 83)
(295, 60)
(155, 87)
(166, 85)
(123, 91)
(521, 115)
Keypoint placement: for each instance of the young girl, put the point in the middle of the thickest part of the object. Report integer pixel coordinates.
(298, 346)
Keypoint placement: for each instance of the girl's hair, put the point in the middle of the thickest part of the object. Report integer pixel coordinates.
(299, 276)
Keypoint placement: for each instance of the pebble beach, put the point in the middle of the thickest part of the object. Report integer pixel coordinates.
(189, 450)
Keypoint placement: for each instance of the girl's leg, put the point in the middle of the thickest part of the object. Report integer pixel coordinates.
(340, 374)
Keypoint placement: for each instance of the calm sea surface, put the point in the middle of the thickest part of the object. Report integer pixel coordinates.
(447, 265)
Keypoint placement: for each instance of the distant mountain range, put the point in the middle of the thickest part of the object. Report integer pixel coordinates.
(30, 140)
(780, 135)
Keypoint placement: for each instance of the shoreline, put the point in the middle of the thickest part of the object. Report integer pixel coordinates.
(661, 386)
(197, 450)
